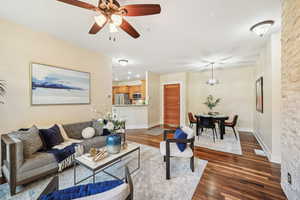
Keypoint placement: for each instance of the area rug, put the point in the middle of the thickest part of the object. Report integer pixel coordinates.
(229, 145)
(149, 181)
(155, 131)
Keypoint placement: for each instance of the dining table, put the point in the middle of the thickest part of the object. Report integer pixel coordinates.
(219, 118)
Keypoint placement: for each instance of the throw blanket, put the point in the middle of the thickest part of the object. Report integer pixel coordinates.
(65, 156)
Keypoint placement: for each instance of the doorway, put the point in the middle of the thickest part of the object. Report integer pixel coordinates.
(172, 104)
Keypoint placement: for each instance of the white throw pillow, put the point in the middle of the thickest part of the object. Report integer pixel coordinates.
(88, 132)
(188, 131)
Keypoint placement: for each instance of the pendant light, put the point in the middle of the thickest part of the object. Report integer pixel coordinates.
(212, 81)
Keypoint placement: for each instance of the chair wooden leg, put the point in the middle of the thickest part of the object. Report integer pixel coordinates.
(167, 167)
(214, 134)
(192, 165)
(12, 189)
(234, 132)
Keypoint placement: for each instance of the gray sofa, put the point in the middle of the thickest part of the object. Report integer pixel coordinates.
(18, 170)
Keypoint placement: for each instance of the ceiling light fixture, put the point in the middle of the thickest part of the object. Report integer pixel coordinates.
(212, 81)
(100, 19)
(116, 19)
(138, 76)
(262, 28)
(123, 62)
(113, 28)
(129, 72)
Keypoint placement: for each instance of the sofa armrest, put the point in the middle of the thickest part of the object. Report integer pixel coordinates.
(51, 187)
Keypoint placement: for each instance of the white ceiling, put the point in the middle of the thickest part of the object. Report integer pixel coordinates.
(185, 33)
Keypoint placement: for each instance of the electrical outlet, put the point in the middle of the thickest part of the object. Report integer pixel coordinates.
(289, 178)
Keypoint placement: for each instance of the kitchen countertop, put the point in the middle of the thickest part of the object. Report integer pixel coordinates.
(130, 105)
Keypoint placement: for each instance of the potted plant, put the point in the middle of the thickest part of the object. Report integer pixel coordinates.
(2, 90)
(211, 102)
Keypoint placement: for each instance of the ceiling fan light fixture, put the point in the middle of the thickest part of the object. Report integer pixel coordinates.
(116, 19)
(123, 62)
(100, 19)
(212, 82)
(113, 28)
(262, 28)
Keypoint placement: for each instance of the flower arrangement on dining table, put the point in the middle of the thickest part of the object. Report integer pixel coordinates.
(211, 102)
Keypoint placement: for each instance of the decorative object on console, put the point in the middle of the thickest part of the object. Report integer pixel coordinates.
(2, 90)
(211, 103)
(88, 132)
(259, 95)
(54, 86)
(113, 143)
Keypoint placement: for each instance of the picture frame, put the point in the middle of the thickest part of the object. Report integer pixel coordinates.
(259, 95)
(53, 85)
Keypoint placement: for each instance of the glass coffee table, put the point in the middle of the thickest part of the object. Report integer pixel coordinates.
(102, 165)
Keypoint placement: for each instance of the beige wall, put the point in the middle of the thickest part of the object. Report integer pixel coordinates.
(18, 47)
(236, 90)
(267, 125)
(152, 98)
(291, 98)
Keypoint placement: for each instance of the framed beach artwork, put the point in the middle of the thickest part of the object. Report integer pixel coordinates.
(52, 85)
(259, 95)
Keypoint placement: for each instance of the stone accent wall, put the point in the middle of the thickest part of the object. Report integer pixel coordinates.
(291, 97)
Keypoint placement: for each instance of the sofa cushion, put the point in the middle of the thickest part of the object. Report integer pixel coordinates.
(51, 137)
(88, 132)
(98, 128)
(30, 139)
(74, 130)
(179, 134)
(95, 142)
(38, 163)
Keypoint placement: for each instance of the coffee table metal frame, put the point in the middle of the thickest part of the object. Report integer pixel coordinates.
(106, 165)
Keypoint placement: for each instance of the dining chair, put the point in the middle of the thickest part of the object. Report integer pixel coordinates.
(192, 120)
(232, 124)
(208, 123)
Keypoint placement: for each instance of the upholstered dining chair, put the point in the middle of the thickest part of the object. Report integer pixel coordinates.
(168, 148)
(232, 124)
(192, 120)
(208, 123)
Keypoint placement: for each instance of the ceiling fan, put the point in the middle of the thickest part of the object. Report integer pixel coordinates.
(111, 12)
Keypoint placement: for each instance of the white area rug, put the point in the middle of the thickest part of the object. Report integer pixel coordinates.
(149, 182)
(230, 144)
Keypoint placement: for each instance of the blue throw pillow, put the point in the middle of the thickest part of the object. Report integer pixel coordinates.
(82, 190)
(51, 137)
(179, 134)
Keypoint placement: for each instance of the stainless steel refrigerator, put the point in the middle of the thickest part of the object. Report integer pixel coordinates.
(121, 99)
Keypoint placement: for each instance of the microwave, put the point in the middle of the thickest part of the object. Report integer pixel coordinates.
(137, 96)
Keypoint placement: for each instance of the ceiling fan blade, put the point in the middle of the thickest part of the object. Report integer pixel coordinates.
(129, 29)
(95, 28)
(142, 9)
(80, 4)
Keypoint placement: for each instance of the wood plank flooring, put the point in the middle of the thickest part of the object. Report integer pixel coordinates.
(229, 176)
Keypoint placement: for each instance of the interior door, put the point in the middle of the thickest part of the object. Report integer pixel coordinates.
(172, 104)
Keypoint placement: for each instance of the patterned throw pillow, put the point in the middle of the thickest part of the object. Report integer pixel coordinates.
(31, 140)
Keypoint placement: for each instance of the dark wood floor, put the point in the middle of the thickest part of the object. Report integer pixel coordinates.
(229, 176)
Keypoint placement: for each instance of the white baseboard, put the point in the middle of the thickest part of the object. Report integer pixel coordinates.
(263, 145)
(137, 127)
(245, 129)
